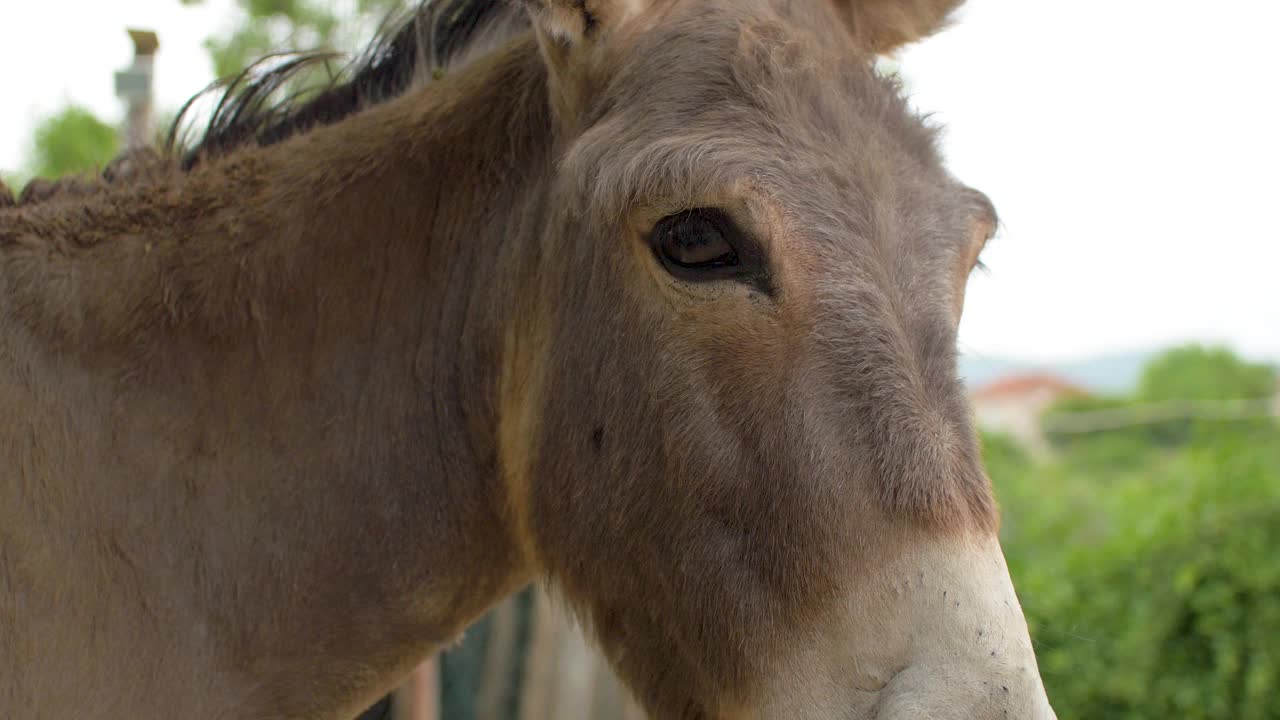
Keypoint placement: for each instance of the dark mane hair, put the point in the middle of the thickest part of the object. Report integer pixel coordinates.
(263, 105)
(272, 101)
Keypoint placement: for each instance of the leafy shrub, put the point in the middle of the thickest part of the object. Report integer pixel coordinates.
(1152, 589)
(72, 141)
(1187, 374)
(1197, 372)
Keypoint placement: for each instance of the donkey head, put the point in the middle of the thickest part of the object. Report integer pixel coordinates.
(732, 431)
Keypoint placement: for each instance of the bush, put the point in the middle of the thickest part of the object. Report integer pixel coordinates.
(1152, 590)
(1184, 374)
(1197, 372)
(71, 142)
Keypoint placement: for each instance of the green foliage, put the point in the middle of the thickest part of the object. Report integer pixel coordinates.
(1152, 588)
(1188, 373)
(1112, 449)
(72, 141)
(1197, 372)
(13, 180)
(270, 26)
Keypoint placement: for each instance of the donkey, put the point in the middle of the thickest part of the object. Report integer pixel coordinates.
(651, 300)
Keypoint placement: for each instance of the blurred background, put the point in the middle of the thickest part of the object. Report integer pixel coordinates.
(1121, 349)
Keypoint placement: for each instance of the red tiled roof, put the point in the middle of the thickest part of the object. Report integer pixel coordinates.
(1023, 383)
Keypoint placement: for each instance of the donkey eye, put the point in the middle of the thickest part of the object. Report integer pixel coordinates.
(696, 244)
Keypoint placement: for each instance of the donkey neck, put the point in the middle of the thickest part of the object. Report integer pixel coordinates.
(273, 386)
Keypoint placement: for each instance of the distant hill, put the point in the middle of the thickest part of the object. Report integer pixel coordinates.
(1113, 373)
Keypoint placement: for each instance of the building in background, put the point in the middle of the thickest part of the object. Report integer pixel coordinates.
(1012, 405)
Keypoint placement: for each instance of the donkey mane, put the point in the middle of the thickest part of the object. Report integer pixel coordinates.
(268, 102)
(254, 109)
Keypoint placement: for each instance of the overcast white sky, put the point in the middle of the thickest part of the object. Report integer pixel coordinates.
(1131, 147)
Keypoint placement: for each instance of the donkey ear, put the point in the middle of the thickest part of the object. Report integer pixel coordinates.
(883, 26)
(572, 35)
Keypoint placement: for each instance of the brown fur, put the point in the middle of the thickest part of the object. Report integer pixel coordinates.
(276, 427)
(883, 25)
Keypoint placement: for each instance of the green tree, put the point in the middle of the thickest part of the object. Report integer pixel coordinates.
(268, 26)
(1197, 372)
(1190, 372)
(72, 141)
